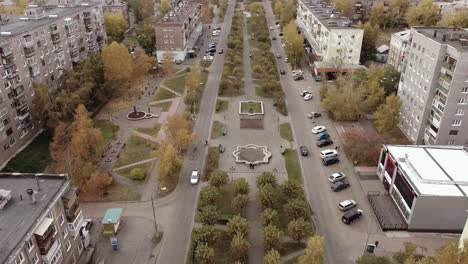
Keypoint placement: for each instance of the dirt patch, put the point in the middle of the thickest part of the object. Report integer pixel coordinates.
(251, 123)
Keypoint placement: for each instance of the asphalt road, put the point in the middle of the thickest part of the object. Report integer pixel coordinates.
(343, 243)
(176, 239)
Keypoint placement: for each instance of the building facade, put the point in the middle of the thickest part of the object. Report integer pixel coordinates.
(41, 221)
(178, 30)
(446, 8)
(428, 185)
(116, 7)
(36, 49)
(398, 46)
(433, 87)
(333, 38)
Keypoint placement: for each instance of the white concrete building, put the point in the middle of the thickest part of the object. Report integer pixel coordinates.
(428, 184)
(398, 47)
(333, 38)
(448, 7)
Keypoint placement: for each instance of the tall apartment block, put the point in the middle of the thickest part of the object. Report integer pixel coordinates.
(178, 30)
(334, 40)
(434, 86)
(40, 220)
(37, 48)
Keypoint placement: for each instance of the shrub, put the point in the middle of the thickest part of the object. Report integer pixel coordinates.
(138, 174)
(272, 237)
(267, 178)
(240, 186)
(268, 196)
(209, 195)
(239, 247)
(269, 217)
(208, 215)
(205, 254)
(299, 229)
(240, 202)
(206, 234)
(218, 178)
(292, 190)
(212, 161)
(296, 208)
(238, 225)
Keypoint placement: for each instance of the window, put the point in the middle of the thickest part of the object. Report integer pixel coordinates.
(30, 245)
(460, 112)
(20, 258)
(453, 132)
(65, 232)
(462, 101)
(352, 36)
(451, 142)
(68, 246)
(465, 90)
(456, 122)
(62, 219)
(35, 259)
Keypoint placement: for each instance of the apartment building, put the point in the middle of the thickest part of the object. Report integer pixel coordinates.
(434, 87)
(40, 220)
(335, 42)
(398, 46)
(446, 8)
(178, 30)
(36, 48)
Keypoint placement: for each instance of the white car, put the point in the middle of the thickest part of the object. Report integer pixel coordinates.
(194, 177)
(346, 205)
(328, 153)
(304, 93)
(271, 28)
(337, 176)
(313, 115)
(297, 72)
(208, 58)
(318, 129)
(307, 97)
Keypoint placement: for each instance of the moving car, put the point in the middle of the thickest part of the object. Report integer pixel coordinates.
(271, 28)
(273, 38)
(324, 142)
(220, 51)
(178, 62)
(297, 72)
(298, 77)
(304, 93)
(330, 161)
(328, 153)
(318, 78)
(211, 50)
(351, 216)
(318, 129)
(304, 151)
(323, 136)
(337, 176)
(339, 185)
(194, 177)
(208, 58)
(313, 115)
(278, 55)
(346, 205)
(308, 97)
(282, 71)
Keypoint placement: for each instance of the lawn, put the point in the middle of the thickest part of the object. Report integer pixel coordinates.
(224, 205)
(108, 130)
(221, 105)
(34, 158)
(255, 106)
(164, 105)
(177, 84)
(211, 162)
(151, 131)
(290, 247)
(286, 131)
(118, 192)
(292, 166)
(126, 172)
(163, 94)
(217, 130)
(137, 149)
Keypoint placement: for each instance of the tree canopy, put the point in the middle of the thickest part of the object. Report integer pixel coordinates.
(423, 14)
(294, 43)
(117, 63)
(115, 26)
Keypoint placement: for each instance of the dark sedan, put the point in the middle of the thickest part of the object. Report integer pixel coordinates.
(339, 185)
(304, 151)
(324, 142)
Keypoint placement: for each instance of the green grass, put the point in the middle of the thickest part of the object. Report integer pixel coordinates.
(290, 247)
(221, 249)
(126, 172)
(224, 205)
(137, 149)
(292, 166)
(108, 130)
(286, 131)
(255, 106)
(164, 105)
(217, 130)
(221, 105)
(163, 94)
(34, 158)
(118, 192)
(151, 131)
(177, 84)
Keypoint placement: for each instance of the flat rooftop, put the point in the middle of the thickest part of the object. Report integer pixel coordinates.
(14, 26)
(179, 13)
(20, 214)
(434, 170)
(327, 15)
(403, 36)
(457, 38)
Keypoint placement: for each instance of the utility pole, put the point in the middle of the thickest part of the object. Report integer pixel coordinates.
(154, 217)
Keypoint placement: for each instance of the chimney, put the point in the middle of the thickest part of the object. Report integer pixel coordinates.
(435, 34)
(444, 37)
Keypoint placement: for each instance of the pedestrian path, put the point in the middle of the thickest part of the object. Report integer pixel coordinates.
(145, 136)
(292, 255)
(169, 89)
(134, 164)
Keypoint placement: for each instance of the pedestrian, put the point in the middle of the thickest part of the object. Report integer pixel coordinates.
(339, 147)
(336, 147)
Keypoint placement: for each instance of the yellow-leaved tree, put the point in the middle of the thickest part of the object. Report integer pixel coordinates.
(294, 43)
(179, 132)
(118, 67)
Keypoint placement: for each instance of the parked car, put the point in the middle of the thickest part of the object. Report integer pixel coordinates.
(311, 115)
(298, 77)
(318, 129)
(339, 185)
(330, 161)
(217, 28)
(271, 28)
(308, 97)
(212, 45)
(324, 142)
(220, 51)
(328, 153)
(282, 71)
(278, 55)
(178, 62)
(211, 50)
(304, 93)
(286, 59)
(273, 38)
(304, 151)
(318, 78)
(337, 176)
(208, 58)
(346, 205)
(352, 215)
(323, 136)
(297, 72)
(194, 177)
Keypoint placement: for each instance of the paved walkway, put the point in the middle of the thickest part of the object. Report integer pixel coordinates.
(133, 164)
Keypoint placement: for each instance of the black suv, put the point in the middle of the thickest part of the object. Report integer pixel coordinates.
(351, 216)
(330, 161)
(324, 142)
(339, 185)
(304, 151)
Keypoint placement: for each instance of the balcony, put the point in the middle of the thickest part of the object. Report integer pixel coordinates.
(54, 29)
(45, 235)
(12, 74)
(29, 51)
(446, 78)
(28, 43)
(6, 51)
(74, 227)
(450, 68)
(20, 103)
(56, 39)
(8, 62)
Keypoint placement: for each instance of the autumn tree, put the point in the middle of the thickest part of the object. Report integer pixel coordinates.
(371, 90)
(268, 196)
(294, 43)
(456, 18)
(169, 163)
(371, 33)
(115, 26)
(377, 15)
(208, 215)
(272, 256)
(423, 14)
(387, 116)
(299, 229)
(240, 186)
(145, 36)
(117, 63)
(239, 247)
(218, 178)
(289, 12)
(345, 6)
(179, 132)
(238, 225)
(272, 237)
(278, 8)
(267, 178)
(164, 7)
(314, 251)
(296, 208)
(206, 234)
(209, 195)
(205, 254)
(168, 63)
(341, 99)
(142, 63)
(269, 217)
(193, 82)
(396, 12)
(240, 202)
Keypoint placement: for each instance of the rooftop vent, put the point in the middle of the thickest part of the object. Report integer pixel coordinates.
(5, 197)
(5, 33)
